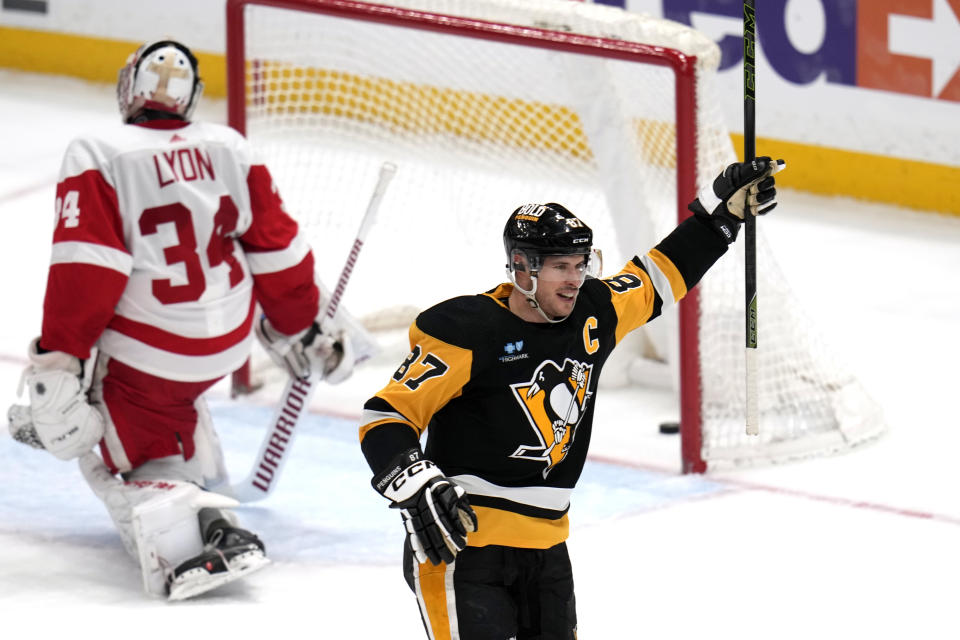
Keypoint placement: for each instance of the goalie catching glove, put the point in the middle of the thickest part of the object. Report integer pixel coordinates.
(323, 347)
(435, 510)
(59, 418)
(742, 186)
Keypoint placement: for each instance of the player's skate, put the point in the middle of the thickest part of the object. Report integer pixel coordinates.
(229, 553)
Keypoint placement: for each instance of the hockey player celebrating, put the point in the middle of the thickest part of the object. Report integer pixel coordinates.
(503, 384)
(168, 233)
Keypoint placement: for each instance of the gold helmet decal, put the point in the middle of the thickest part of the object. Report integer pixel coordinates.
(553, 401)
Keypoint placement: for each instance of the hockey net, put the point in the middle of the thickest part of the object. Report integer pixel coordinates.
(488, 104)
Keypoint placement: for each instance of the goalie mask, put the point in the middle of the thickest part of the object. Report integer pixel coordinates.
(536, 231)
(159, 76)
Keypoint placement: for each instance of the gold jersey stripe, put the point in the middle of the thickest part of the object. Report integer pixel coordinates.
(670, 270)
(500, 293)
(495, 526)
(432, 586)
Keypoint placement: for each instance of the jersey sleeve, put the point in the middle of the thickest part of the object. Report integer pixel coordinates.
(662, 276)
(90, 262)
(434, 372)
(280, 259)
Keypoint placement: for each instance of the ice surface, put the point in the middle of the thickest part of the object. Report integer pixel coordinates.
(860, 545)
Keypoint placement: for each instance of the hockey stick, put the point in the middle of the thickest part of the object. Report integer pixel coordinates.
(750, 222)
(295, 400)
(566, 418)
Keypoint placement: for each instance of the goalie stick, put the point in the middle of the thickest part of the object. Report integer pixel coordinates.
(295, 400)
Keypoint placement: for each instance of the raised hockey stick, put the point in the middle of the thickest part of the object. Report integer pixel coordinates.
(750, 222)
(295, 400)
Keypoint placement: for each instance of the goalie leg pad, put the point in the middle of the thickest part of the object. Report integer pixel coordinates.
(167, 531)
(157, 518)
(208, 452)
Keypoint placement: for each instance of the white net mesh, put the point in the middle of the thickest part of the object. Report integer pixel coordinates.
(479, 127)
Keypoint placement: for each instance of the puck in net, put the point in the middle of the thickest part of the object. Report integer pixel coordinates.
(669, 427)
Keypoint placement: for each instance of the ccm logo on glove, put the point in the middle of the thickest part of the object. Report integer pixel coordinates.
(409, 472)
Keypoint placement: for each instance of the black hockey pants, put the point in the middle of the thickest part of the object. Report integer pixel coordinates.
(498, 593)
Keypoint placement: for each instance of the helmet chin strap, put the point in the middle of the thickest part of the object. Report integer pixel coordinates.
(531, 297)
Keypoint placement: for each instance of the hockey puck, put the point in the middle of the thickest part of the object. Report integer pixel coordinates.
(669, 427)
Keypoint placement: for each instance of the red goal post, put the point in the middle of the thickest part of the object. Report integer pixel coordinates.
(318, 77)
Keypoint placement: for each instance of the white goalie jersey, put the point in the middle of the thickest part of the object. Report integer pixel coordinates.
(167, 234)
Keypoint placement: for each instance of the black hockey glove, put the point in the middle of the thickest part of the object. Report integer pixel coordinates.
(436, 512)
(742, 186)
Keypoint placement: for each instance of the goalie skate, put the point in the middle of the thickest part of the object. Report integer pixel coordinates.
(230, 554)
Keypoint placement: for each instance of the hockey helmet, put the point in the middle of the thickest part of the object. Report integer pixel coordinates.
(161, 76)
(534, 231)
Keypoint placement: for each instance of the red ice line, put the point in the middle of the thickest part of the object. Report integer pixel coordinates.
(26, 190)
(754, 486)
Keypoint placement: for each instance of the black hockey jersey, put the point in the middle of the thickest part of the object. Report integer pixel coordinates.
(507, 404)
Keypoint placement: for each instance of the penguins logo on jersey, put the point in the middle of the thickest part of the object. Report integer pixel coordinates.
(553, 401)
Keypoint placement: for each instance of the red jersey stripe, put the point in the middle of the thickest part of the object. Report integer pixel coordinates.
(160, 339)
(88, 211)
